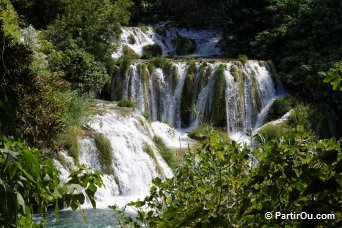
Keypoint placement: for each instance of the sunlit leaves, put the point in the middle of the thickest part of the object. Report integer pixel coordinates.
(28, 183)
(334, 76)
(219, 187)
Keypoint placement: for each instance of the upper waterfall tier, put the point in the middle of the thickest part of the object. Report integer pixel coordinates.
(227, 94)
(205, 42)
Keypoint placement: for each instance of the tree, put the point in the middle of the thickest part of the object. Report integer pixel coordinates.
(90, 25)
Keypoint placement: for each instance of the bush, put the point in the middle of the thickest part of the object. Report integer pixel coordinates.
(126, 103)
(203, 130)
(279, 108)
(162, 62)
(300, 116)
(183, 45)
(124, 62)
(106, 153)
(274, 131)
(130, 53)
(150, 51)
(168, 155)
(242, 58)
(81, 69)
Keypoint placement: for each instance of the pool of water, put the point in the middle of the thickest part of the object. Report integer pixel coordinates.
(96, 218)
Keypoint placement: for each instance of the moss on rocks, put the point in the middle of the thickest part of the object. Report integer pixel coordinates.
(218, 108)
(131, 39)
(186, 101)
(148, 149)
(175, 77)
(106, 153)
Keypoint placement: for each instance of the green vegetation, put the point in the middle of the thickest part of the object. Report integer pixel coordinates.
(168, 155)
(186, 101)
(130, 53)
(334, 76)
(106, 153)
(204, 131)
(152, 51)
(162, 62)
(218, 186)
(242, 58)
(183, 45)
(148, 149)
(218, 114)
(126, 103)
(279, 108)
(317, 119)
(274, 131)
(29, 183)
(124, 62)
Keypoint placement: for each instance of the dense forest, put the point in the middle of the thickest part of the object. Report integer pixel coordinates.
(56, 55)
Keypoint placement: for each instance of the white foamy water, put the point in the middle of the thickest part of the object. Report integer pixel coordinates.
(171, 137)
(249, 92)
(138, 37)
(134, 168)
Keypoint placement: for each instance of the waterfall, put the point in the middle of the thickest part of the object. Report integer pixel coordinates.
(247, 89)
(229, 94)
(136, 160)
(137, 37)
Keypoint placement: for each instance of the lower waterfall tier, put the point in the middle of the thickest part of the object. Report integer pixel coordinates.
(133, 159)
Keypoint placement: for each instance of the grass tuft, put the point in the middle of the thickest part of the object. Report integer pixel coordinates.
(106, 153)
(168, 155)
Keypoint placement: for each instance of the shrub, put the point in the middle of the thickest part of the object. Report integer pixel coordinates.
(126, 103)
(124, 62)
(300, 116)
(279, 108)
(274, 131)
(242, 58)
(130, 53)
(183, 45)
(80, 68)
(168, 155)
(162, 62)
(204, 130)
(106, 153)
(151, 51)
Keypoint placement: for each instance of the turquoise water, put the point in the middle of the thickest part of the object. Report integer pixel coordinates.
(69, 219)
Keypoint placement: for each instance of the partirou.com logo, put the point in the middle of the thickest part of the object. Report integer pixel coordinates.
(299, 216)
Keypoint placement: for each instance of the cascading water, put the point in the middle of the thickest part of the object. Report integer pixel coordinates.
(248, 89)
(228, 94)
(138, 37)
(136, 160)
